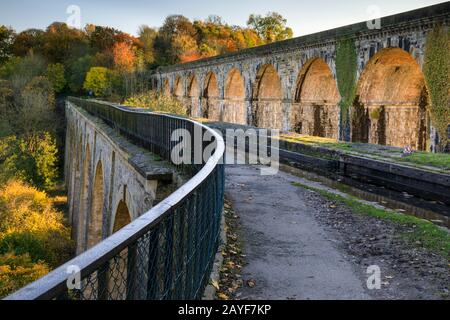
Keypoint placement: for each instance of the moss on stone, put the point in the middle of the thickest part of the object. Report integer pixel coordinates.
(346, 73)
(437, 76)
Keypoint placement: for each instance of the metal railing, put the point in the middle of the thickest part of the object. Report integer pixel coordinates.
(168, 252)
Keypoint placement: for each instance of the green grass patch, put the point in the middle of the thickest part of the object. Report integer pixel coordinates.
(440, 160)
(428, 234)
(436, 160)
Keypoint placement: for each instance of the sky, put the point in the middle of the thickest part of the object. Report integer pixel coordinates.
(304, 16)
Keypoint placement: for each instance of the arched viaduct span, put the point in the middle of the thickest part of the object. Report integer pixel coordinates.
(145, 228)
(355, 83)
(111, 182)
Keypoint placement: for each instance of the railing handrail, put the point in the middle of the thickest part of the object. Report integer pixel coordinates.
(54, 282)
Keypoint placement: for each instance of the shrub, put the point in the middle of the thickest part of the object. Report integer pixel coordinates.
(30, 224)
(29, 67)
(55, 74)
(33, 236)
(157, 102)
(16, 271)
(31, 158)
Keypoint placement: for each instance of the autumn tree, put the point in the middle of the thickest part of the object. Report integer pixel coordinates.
(60, 42)
(176, 40)
(124, 57)
(270, 28)
(214, 37)
(102, 38)
(26, 41)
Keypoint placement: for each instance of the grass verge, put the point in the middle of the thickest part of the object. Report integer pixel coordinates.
(437, 160)
(430, 236)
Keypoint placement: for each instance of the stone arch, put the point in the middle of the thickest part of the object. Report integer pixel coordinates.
(96, 218)
(267, 98)
(119, 270)
(84, 200)
(194, 96)
(179, 88)
(211, 95)
(315, 110)
(234, 106)
(122, 216)
(166, 87)
(391, 103)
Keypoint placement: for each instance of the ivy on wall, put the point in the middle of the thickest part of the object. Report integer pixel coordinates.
(346, 72)
(437, 76)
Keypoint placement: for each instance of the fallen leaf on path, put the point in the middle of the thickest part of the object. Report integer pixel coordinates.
(222, 296)
(215, 284)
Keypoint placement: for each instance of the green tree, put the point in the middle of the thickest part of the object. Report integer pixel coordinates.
(27, 68)
(77, 70)
(6, 41)
(99, 81)
(147, 36)
(55, 74)
(270, 28)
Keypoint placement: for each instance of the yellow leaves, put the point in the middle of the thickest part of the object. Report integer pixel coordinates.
(251, 283)
(26, 209)
(17, 271)
(156, 102)
(215, 284)
(222, 296)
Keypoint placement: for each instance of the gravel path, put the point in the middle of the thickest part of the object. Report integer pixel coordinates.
(289, 254)
(301, 246)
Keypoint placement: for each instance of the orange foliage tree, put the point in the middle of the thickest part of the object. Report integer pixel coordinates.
(124, 58)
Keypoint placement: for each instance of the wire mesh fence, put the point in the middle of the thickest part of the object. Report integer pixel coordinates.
(168, 252)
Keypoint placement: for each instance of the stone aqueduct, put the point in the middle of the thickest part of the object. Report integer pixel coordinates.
(292, 85)
(110, 181)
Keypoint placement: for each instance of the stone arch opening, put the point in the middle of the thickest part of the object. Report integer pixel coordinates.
(315, 110)
(234, 105)
(194, 97)
(122, 217)
(267, 97)
(391, 103)
(84, 199)
(96, 219)
(166, 87)
(179, 89)
(211, 95)
(120, 269)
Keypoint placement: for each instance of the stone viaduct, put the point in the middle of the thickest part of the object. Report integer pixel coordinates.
(362, 83)
(110, 181)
